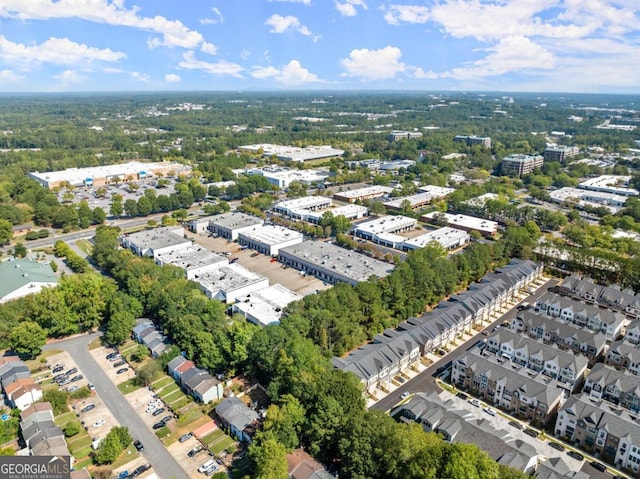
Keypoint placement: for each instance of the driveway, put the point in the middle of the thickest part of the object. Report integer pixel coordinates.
(165, 466)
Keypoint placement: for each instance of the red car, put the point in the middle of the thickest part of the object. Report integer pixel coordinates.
(273, 260)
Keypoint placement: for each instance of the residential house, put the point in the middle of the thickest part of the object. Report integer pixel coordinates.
(611, 297)
(625, 356)
(617, 387)
(517, 389)
(201, 385)
(633, 332)
(564, 335)
(178, 366)
(22, 393)
(557, 468)
(40, 433)
(300, 465)
(549, 360)
(237, 417)
(439, 414)
(146, 332)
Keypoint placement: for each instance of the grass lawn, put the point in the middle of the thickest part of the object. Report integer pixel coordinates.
(79, 441)
(172, 397)
(180, 403)
(63, 419)
(128, 386)
(128, 347)
(128, 455)
(163, 432)
(84, 245)
(213, 437)
(220, 446)
(169, 388)
(96, 343)
(190, 415)
(162, 382)
(82, 464)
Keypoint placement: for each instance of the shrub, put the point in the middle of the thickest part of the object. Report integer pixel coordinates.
(72, 428)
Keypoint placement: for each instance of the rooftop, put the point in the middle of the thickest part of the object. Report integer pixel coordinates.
(16, 273)
(235, 220)
(266, 305)
(271, 234)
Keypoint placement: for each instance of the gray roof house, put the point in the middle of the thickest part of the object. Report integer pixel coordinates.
(617, 387)
(236, 416)
(201, 385)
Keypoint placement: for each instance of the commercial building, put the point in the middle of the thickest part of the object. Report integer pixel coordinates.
(404, 135)
(383, 230)
(193, 259)
(448, 238)
(102, 175)
(200, 225)
(229, 282)
(428, 194)
(292, 153)
(21, 276)
(615, 184)
(560, 153)
(332, 263)
(155, 241)
(516, 389)
(265, 306)
(484, 141)
(350, 211)
(269, 239)
(230, 225)
(463, 222)
(519, 164)
(298, 207)
(363, 194)
(594, 199)
(283, 177)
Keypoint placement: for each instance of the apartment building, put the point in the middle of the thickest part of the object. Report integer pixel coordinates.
(625, 356)
(618, 387)
(610, 297)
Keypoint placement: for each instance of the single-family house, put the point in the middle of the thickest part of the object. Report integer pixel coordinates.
(237, 417)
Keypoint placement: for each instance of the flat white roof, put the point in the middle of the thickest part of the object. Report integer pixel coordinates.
(235, 220)
(568, 192)
(293, 153)
(481, 200)
(304, 203)
(610, 183)
(191, 257)
(465, 221)
(366, 191)
(349, 211)
(266, 305)
(156, 238)
(77, 176)
(228, 278)
(386, 224)
(271, 235)
(420, 198)
(289, 175)
(443, 236)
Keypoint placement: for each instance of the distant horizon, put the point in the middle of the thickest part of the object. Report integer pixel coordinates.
(554, 46)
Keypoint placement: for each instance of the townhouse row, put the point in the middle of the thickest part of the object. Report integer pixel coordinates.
(395, 350)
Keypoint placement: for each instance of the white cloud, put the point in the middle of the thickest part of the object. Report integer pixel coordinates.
(397, 14)
(374, 64)
(292, 74)
(9, 76)
(143, 77)
(245, 54)
(190, 62)
(69, 77)
(173, 32)
(209, 48)
(347, 8)
(59, 51)
(510, 54)
(280, 24)
(171, 78)
(212, 21)
(305, 2)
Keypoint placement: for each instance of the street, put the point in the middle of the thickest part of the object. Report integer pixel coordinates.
(164, 465)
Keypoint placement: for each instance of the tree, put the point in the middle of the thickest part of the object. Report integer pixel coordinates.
(148, 373)
(131, 207)
(269, 458)
(112, 445)
(20, 250)
(98, 216)
(116, 208)
(58, 400)
(72, 428)
(27, 339)
(6, 232)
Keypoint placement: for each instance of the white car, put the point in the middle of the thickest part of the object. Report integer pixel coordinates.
(475, 402)
(98, 423)
(490, 411)
(404, 395)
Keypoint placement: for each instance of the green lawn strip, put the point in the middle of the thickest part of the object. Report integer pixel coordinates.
(128, 386)
(169, 388)
(128, 348)
(81, 453)
(190, 415)
(162, 381)
(79, 441)
(84, 245)
(128, 455)
(221, 445)
(63, 419)
(213, 437)
(96, 343)
(171, 397)
(82, 464)
(163, 432)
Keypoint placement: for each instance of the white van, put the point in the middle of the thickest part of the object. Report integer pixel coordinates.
(206, 466)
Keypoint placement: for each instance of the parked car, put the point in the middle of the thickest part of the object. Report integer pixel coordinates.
(475, 402)
(71, 371)
(157, 412)
(234, 260)
(515, 424)
(404, 395)
(195, 450)
(556, 445)
(91, 386)
(185, 437)
(115, 357)
(158, 425)
(88, 408)
(490, 411)
(112, 355)
(166, 419)
(462, 395)
(207, 465)
(139, 470)
(122, 370)
(99, 423)
(531, 432)
(57, 369)
(76, 378)
(575, 455)
(253, 255)
(119, 363)
(598, 466)
(138, 445)
(70, 389)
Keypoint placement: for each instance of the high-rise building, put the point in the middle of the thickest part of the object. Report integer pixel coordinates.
(519, 164)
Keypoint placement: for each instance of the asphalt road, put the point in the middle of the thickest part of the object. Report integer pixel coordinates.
(163, 463)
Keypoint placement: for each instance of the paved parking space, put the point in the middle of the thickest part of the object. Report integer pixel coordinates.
(66, 365)
(99, 420)
(100, 354)
(190, 464)
(140, 399)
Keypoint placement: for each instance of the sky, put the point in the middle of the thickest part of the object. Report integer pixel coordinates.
(582, 46)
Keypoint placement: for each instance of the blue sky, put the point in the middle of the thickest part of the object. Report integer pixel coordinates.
(183, 45)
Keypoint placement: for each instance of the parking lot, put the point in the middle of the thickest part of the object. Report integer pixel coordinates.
(68, 374)
(111, 368)
(95, 416)
(263, 264)
(146, 405)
